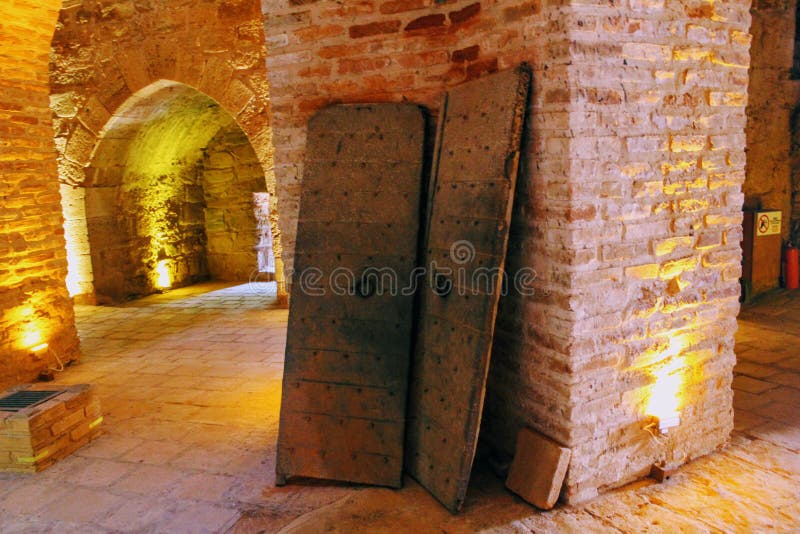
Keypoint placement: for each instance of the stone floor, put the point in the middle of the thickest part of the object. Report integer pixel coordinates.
(189, 382)
(190, 385)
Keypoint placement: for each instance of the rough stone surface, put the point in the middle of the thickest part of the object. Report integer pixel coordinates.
(230, 174)
(772, 178)
(34, 304)
(104, 55)
(170, 191)
(538, 469)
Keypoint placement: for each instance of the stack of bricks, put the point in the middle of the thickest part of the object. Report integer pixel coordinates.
(106, 52)
(35, 438)
(34, 304)
(628, 206)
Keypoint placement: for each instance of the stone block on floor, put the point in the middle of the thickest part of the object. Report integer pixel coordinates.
(538, 470)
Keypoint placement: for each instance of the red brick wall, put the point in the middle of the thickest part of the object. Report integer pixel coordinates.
(628, 209)
(323, 52)
(34, 305)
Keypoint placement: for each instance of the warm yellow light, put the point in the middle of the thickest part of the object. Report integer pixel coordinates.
(163, 276)
(31, 336)
(40, 348)
(665, 397)
(664, 401)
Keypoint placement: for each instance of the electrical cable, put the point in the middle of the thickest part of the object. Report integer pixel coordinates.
(60, 363)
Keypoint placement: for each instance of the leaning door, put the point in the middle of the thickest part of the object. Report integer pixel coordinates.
(349, 338)
(480, 132)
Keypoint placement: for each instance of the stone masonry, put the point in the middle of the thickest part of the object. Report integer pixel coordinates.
(35, 438)
(628, 208)
(771, 109)
(169, 193)
(230, 175)
(34, 304)
(105, 53)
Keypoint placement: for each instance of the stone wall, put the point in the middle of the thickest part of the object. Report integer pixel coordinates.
(230, 175)
(628, 207)
(169, 196)
(106, 52)
(34, 304)
(774, 96)
(144, 194)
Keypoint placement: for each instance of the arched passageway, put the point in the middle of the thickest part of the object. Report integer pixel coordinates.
(171, 195)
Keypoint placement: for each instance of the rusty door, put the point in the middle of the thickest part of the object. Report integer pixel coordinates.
(350, 320)
(480, 132)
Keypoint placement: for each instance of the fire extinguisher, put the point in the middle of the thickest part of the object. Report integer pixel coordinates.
(791, 267)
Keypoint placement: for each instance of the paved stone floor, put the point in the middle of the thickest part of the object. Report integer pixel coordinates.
(190, 386)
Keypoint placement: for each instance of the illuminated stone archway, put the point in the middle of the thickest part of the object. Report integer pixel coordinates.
(100, 60)
(168, 197)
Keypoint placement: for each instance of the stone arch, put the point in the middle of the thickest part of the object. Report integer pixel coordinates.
(169, 193)
(102, 56)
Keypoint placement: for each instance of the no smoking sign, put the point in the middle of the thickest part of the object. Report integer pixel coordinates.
(768, 223)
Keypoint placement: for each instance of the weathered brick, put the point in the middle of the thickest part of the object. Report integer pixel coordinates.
(646, 51)
(668, 246)
(465, 14)
(50, 432)
(398, 6)
(527, 9)
(642, 272)
(374, 28)
(466, 54)
(425, 22)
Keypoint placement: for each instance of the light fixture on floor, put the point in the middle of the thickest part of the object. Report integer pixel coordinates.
(163, 276)
(665, 396)
(38, 352)
(40, 349)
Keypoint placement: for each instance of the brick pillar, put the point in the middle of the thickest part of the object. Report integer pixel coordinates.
(34, 305)
(628, 207)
